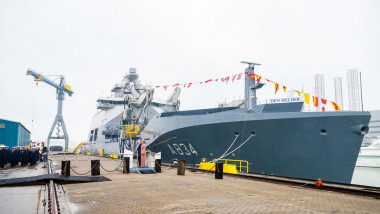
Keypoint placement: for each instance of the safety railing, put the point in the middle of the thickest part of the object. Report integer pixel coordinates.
(239, 163)
(130, 130)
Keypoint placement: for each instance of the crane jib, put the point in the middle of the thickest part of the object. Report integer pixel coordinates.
(63, 87)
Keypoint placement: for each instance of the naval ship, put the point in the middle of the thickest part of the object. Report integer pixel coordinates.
(276, 139)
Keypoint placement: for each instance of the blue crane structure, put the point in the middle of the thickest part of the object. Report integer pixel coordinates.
(62, 88)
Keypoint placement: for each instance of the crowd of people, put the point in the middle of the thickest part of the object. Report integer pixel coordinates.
(19, 156)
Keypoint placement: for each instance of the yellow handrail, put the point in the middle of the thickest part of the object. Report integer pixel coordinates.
(240, 162)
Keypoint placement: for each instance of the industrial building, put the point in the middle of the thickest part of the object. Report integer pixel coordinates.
(353, 89)
(13, 134)
(338, 91)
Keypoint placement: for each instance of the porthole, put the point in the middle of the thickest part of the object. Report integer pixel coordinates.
(323, 131)
(253, 133)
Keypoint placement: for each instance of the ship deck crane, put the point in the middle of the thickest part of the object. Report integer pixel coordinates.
(61, 88)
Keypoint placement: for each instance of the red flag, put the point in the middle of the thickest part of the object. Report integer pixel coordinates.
(226, 79)
(315, 101)
(157, 86)
(176, 85)
(216, 80)
(165, 87)
(246, 73)
(323, 101)
(276, 86)
(233, 78)
(208, 80)
(239, 76)
(323, 108)
(189, 85)
(258, 78)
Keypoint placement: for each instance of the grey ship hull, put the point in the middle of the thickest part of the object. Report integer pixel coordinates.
(307, 145)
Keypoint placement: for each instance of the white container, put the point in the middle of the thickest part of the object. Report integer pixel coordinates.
(157, 155)
(150, 159)
(129, 154)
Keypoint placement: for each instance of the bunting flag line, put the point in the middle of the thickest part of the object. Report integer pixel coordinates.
(258, 78)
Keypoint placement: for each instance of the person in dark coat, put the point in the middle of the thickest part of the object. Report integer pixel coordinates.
(23, 157)
(6, 156)
(19, 155)
(139, 153)
(2, 155)
(12, 157)
(26, 156)
(32, 157)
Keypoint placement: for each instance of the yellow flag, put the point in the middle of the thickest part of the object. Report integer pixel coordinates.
(307, 98)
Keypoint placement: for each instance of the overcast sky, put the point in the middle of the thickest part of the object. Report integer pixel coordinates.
(93, 44)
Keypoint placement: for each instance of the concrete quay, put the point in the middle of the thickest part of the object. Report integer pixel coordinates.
(197, 192)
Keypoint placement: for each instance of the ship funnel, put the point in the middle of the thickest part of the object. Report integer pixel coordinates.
(360, 129)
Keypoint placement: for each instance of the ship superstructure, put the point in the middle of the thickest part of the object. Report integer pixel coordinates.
(128, 109)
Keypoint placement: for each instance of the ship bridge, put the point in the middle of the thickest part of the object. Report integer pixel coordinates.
(109, 102)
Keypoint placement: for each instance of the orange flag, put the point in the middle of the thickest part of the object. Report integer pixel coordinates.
(315, 101)
(276, 86)
(336, 107)
(307, 98)
(284, 87)
(189, 85)
(252, 76)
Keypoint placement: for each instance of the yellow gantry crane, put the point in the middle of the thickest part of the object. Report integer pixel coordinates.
(61, 88)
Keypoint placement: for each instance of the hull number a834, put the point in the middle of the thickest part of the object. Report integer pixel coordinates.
(182, 149)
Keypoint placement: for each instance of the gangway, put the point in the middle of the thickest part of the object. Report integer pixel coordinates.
(76, 150)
